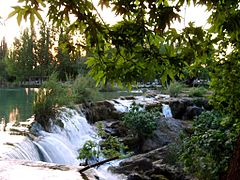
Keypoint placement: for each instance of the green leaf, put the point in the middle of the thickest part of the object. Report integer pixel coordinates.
(12, 14)
(19, 17)
(37, 14)
(32, 19)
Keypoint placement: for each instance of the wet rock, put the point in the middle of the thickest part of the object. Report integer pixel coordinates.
(27, 170)
(128, 98)
(134, 164)
(100, 111)
(192, 112)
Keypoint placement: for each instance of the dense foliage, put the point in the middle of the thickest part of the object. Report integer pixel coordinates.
(207, 151)
(38, 55)
(84, 89)
(3, 55)
(88, 151)
(197, 92)
(175, 88)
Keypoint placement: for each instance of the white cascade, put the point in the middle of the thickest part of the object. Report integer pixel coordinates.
(166, 110)
(61, 145)
(25, 149)
(68, 132)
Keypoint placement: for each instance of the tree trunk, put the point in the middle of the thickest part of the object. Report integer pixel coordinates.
(234, 166)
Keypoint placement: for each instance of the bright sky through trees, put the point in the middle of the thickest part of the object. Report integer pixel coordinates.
(10, 29)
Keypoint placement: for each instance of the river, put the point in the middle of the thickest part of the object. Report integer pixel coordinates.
(16, 104)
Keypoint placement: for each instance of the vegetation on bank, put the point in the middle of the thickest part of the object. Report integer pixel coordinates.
(54, 93)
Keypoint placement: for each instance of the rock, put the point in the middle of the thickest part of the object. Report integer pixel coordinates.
(167, 172)
(115, 127)
(27, 170)
(179, 107)
(154, 105)
(192, 112)
(127, 98)
(151, 165)
(134, 164)
(203, 103)
(168, 131)
(99, 111)
(136, 176)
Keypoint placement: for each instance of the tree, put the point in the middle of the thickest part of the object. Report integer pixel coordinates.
(44, 55)
(3, 55)
(21, 61)
(65, 64)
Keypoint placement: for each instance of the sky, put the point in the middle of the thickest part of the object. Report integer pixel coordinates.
(10, 29)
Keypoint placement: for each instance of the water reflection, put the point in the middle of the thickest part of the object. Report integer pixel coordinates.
(3, 125)
(14, 115)
(16, 104)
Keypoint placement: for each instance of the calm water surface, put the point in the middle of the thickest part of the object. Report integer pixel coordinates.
(16, 104)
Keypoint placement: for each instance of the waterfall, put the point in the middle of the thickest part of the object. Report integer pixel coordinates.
(166, 110)
(25, 149)
(68, 132)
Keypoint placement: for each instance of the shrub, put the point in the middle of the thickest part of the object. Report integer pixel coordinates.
(88, 151)
(174, 89)
(207, 152)
(197, 92)
(142, 123)
(52, 94)
(108, 147)
(84, 90)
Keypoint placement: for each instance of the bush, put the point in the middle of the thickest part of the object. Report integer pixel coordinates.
(207, 152)
(52, 94)
(88, 151)
(142, 123)
(174, 89)
(84, 90)
(108, 147)
(197, 92)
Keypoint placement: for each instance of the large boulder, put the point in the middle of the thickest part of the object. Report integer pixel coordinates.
(179, 106)
(151, 165)
(168, 131)
(192, 112)
(99, 111)
(188, 108)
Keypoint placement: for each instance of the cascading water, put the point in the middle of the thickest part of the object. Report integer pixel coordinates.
(61, 145)
(68, 132)
(67, 135)
(166, 110)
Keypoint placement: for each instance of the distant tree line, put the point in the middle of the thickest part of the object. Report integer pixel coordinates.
(40, 55)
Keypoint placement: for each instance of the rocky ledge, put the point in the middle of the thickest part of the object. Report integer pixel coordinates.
(28, 170)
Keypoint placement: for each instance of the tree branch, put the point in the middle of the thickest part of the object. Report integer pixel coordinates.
(97, 164)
